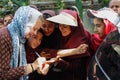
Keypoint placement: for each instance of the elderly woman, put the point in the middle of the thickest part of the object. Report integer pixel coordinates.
(13, 66)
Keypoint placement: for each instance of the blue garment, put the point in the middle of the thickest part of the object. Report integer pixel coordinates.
(17, 31)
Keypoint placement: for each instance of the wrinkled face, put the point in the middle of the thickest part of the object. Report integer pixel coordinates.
(7, 20)
(33, 30)
(115, 5)
(35, 40)
(65, 29)
(98, 26)
(48, 28)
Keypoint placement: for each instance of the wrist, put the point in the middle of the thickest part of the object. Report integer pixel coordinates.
(32, 67)
(78, 51)
(28, 69)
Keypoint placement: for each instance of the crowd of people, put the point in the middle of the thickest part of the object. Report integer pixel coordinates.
(45, 45)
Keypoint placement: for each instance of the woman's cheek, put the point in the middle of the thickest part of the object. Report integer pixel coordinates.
(27, 31)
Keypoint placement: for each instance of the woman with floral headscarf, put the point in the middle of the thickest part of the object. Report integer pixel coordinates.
(13, 65)
(73, 35)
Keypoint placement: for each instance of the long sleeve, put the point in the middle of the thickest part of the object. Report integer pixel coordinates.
(7, 73)
(12, 73)
(67, 64)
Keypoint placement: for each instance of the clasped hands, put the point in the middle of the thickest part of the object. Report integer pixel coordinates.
(44, 65)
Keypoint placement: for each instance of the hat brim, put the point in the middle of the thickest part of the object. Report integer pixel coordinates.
(93, 14)
(63, 19)
(105, 13)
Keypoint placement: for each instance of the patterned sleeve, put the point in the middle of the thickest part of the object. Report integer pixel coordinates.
(12, 74)
(7, 73)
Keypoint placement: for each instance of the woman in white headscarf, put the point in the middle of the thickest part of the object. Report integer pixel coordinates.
(26, 22)
(105, 64)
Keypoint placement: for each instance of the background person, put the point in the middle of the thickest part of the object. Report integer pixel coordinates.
(105, 64)
(102, 27)
(7, 19)
(114, 5)
(1, 22)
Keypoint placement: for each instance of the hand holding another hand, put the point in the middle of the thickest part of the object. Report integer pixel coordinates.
(38, 62)
(46, 65)
(44, 69)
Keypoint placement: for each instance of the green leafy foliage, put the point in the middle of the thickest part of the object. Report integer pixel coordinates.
(10, 6)
(60, 4)
(105, 2)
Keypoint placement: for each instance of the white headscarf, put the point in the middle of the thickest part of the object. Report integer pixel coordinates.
(108, 14)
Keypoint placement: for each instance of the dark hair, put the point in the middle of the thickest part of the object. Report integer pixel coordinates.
(40, 30)
(46, 15)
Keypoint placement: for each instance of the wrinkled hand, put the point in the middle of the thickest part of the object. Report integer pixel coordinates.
(46, 65)
(44, 70)
(82, 48)
(38, 63)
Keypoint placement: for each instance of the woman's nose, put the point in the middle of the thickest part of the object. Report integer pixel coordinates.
(35, 32)
(95, 29)
(38, 42)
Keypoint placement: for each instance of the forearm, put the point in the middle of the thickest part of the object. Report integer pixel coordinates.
(68, 52)
(29, 68)
(81, 49)
(16, 73)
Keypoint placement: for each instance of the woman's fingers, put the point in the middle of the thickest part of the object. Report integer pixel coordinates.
(83, 48)
(44, 70)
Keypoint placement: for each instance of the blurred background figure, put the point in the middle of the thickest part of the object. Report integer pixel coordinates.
(1, 22)
(7, 19)
(115, 5)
